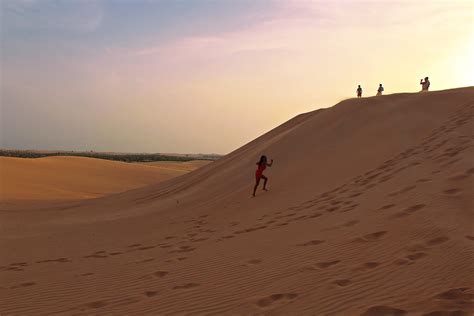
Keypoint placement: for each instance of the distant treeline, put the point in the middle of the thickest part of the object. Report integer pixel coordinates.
(108, 156)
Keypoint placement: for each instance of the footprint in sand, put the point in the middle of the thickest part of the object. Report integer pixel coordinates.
(460, 295)
(437, 241)
(199, 239)
(416, 256)
(61, 260)
(183, 249)
(447, 313)
(146, 248)
(25, 284)
(134, 245)
(332, 209)
(402, 262)
(367, 266)
(96, 255)
(249, 230)
(371, 237)
(350, 223)
(385, 179)
(151, 293)
(458, 177)
(404, 190)
(145, 260)
(311, 243)
(17, 266)
(452, 192)
(327, 264)
(382, 310)
(423, 180)
(342, 282)
(349, 208)
(299, 218)
(96, 304)
(160, 274)
(281, 298)
(186, 286)
(409, 210)
(387, 206)
(255, 261)
(469, 237)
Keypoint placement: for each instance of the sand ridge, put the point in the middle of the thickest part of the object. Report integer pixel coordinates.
(369, 213)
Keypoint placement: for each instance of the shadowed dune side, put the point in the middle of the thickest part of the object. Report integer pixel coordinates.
(369, 212)
(79, 177)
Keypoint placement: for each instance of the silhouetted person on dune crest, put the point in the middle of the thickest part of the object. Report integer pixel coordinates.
(359, 92)
(262, 164)
(380, 90)
(425, 85)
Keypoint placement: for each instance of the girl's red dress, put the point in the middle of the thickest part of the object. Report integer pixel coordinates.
(259, 172)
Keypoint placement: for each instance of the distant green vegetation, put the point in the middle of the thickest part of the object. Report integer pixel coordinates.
(108, 156)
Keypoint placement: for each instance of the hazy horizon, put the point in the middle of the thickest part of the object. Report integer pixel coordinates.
(209, 76)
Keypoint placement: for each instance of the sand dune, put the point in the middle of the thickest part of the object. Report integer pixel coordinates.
(370, 212)
(79, 177)
(180, 166)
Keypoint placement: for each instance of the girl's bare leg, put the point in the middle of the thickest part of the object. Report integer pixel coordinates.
(265, 179)
(257, 182)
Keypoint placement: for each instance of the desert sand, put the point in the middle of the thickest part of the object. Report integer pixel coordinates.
(179, 166)
(79, 177)
(369, 212)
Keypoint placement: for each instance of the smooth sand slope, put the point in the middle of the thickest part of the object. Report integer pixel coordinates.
(79, 177)
(370, 212)
(176, 165)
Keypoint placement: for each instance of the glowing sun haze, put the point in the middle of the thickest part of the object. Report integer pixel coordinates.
(209, 76)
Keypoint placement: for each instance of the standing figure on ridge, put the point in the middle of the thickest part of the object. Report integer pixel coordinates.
(380, 90)
(262, 164)
(359, 92)
(425, 85)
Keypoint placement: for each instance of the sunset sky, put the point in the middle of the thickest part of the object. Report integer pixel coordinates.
(209, 76)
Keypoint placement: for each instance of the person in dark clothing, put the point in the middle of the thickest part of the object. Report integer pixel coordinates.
(380, 90)
(359, 92)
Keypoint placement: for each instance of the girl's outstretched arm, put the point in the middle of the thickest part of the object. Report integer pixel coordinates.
(271, 163)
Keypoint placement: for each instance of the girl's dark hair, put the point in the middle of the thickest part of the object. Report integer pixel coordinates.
(262, 158)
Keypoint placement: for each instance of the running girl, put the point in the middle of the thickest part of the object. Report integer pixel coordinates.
(262, 164)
